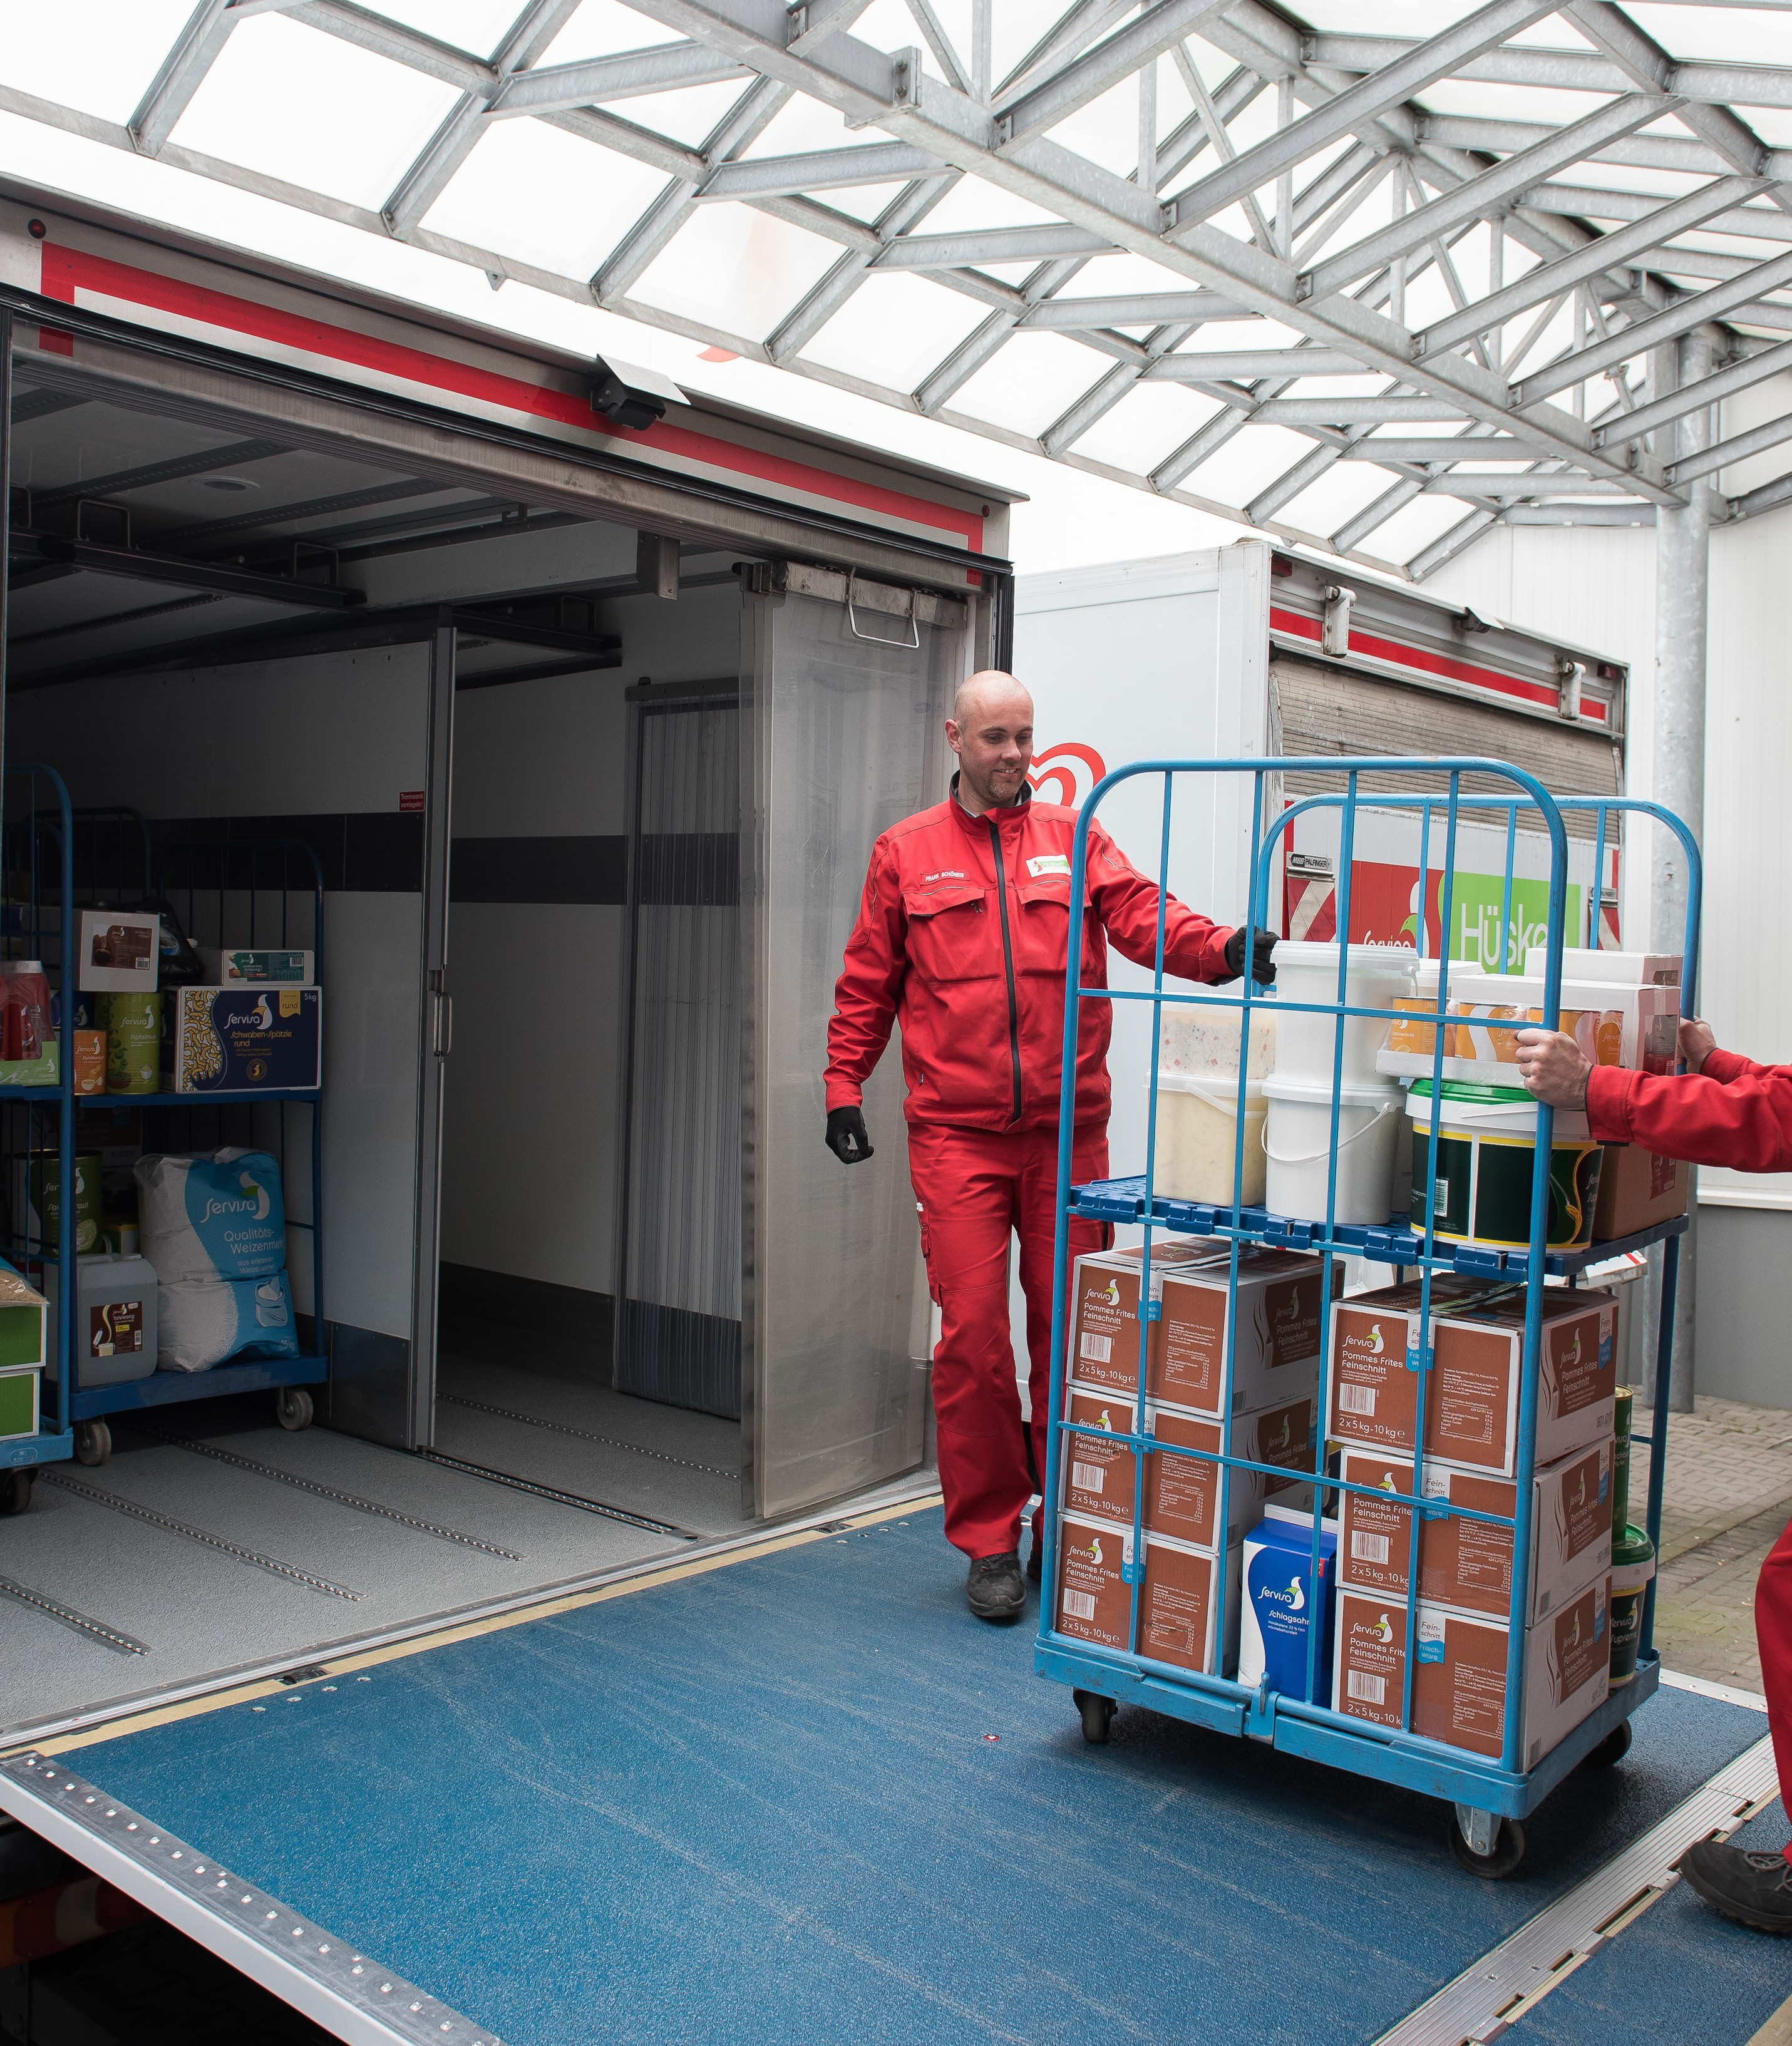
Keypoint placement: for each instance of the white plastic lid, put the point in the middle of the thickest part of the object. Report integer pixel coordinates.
(21, 965)
(1221, 1092)
(1352, 1094)
(1301, 952)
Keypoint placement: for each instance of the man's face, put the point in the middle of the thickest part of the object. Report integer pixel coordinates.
(994, 743)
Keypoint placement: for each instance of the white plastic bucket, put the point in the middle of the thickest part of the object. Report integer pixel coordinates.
(1305, 1042)
(1297, 1148)
(1201, 1043)
(1197, 1139)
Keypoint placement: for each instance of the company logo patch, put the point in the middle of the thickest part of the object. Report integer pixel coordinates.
(1048, 863)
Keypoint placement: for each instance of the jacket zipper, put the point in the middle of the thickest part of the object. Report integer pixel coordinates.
(1008, 962)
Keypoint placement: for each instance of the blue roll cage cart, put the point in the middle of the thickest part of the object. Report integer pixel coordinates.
(1490, 1798)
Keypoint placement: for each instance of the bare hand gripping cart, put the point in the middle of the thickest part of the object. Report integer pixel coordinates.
(1490, 1798)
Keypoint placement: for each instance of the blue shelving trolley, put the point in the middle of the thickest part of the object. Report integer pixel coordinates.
(1490, 1797)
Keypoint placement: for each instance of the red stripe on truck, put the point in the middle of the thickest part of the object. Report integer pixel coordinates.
(67, 271)
(1297, 625)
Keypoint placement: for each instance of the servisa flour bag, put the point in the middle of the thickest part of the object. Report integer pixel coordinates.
(215, 1214)
(201, 1321)
(214, 1226)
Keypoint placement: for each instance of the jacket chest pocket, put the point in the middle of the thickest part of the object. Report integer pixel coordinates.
(952, 933)
(1042, 927)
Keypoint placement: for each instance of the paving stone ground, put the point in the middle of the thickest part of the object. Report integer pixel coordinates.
(1727, 1499)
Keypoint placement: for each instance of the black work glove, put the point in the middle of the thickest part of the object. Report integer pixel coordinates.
(846, 1135)
(1263, 959)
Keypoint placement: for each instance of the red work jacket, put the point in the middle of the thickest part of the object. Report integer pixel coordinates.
(1733, 1113)
(964, 936)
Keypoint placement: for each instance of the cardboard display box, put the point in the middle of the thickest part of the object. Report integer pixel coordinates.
(19, 1385)
(1636, 1191)
(120, 953)
(1180, 1621)
(1097, 1474)
(261, 965)
(229, 1040)
(1459, 1680)
(1468, 1564)
(24, 1322)
(1103, 1347)
(1471, 1398)
(1274, 1341)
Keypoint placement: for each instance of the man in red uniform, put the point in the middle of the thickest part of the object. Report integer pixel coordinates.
(962, 937)
(1723, 1110)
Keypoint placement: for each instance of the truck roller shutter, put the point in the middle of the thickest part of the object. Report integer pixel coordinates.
(1319, 709)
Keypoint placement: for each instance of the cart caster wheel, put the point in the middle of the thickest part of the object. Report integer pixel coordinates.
(293, 1407)
(1506, 1852)
(1098, 1716)
(1612, 1749)
(93, 1442)
(15, 1490)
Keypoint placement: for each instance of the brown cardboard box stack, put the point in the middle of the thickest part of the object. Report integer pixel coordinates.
(1269, 1391)
(1466, 1566)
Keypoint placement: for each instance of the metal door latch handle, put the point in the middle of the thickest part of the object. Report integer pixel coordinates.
(876, 638)
(444, 1025)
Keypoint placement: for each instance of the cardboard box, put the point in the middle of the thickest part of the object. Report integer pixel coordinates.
(1468, 1564)
(1280, 1600)
(24, 1322)
(258, 966)
(1459, 1679)
(1098, 1476)
(1636, 1191)
(1104, 1348)
(1471, 1399)
(41, 1071)
(1182, 1492)
(231, 1040)
(19, 1386)
(1275, 1344)
(1179, 1620)
(1630, 969)
(120, 953)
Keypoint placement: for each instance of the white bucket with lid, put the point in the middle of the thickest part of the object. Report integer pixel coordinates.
(1201, 1042)
(1298, 1149)
(1197, 1139)
(1306, 1042)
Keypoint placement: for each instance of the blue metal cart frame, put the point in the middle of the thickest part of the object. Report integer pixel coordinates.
(1489, 1797)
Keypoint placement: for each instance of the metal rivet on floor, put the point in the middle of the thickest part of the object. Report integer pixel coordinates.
(90, 1800)
(155, 1839)
(131, 1827)
(176, 1852)
(258, 1708)
(273, 1914)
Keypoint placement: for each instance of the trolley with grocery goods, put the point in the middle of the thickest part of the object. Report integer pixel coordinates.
(1370, 1638)
(253, 895)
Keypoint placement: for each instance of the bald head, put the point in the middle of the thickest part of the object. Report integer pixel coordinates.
(990, 730)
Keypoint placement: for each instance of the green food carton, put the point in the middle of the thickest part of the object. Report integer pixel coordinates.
(19, 1401)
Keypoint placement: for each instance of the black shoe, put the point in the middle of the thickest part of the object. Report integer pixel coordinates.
(1754, 1889)
(1036, 1562)
(994, 1589)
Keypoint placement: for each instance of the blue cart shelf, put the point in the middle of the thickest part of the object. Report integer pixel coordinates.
(1490, 1796)
(251, 892)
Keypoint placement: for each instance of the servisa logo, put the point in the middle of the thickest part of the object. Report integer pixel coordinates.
(1374, 1344)
(255, 1203)
(1373, 1630)
(1293, 1598)
(1092, 1554)
(1110, 1293)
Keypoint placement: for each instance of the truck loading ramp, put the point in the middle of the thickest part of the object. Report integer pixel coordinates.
(798, 1796)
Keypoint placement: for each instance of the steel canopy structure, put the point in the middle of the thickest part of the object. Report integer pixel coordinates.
(1372, 292)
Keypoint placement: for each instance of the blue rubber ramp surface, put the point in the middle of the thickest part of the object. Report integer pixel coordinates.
(807, 1798)
(1679, 1974)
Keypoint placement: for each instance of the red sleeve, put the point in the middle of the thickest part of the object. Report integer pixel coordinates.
(1743, 1122)
(1724, 1067)
(870, 982)
(1194, 948)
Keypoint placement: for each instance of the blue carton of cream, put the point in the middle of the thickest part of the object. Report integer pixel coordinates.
(236, 1039)
(1280, 1601)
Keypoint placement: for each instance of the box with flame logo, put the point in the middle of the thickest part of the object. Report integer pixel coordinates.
(1274, 1336)
(1104, 1311)
(1472, 1374)
(231, 1040)
(1459, 1670)
(1179, 1620)
(1181, 1498)
(1468, 1564)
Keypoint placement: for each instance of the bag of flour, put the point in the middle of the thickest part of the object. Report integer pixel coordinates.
(211, 1215)
(201, 1321)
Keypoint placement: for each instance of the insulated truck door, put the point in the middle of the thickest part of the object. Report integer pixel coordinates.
(844, 693)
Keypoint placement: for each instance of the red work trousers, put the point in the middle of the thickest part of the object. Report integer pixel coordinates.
(1773, 1640)
(975, 1188)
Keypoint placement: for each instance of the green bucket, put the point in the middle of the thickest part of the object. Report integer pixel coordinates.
(1486, 1145)
(1633, 1564)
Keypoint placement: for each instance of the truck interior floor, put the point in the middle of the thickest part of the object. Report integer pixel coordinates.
(513, 1407)
(802, 1796)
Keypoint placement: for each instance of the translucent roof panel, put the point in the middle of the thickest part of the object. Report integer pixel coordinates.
(1126, 237)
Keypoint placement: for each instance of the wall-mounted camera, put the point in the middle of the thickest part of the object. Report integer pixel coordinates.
(628, 396)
